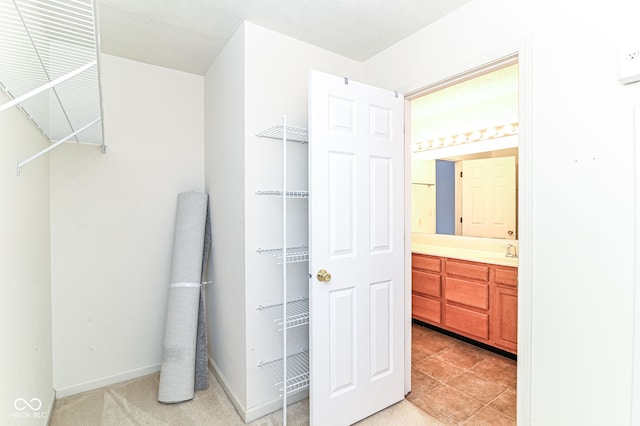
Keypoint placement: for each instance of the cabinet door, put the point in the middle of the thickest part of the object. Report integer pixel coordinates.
(506, 318)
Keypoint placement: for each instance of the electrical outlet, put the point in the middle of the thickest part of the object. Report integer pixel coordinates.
(629, 63)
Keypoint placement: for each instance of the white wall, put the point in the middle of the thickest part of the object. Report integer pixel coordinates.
(276, 81)
(259, 76)
(112, 219)
(224, 181)
(581, 249)
(25, 274)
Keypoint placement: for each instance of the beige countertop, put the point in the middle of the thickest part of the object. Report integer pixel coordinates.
(483, 256)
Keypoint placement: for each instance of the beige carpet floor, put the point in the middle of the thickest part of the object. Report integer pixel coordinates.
(134, 403)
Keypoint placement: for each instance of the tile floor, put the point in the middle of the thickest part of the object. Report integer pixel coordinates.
(459, 383)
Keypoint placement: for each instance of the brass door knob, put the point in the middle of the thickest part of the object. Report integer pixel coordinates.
(323, 276)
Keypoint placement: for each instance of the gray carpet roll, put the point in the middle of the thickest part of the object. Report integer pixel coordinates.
(177, 371)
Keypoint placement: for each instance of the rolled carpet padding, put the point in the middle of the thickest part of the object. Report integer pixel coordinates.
(202, 356)
(177, 371)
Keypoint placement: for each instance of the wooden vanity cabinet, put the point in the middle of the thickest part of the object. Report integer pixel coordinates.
(427, 289)
(466, 300)
(506, 308)
(473, 299)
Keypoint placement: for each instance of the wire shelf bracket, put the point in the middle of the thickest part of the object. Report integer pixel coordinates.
(55, 145)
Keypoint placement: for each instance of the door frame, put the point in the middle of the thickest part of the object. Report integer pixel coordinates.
(520, 52)
(635, 378)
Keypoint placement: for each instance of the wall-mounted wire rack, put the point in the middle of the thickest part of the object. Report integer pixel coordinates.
(49, 68)
(293, 254)
(297, 313)
(297, 372)
(289, 194)
(299, 247)
(290, 133)
(291, 371)
(294, 257)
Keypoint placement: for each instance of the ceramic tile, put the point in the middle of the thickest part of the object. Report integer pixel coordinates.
(461, 356)
(438, 369)
(460, 383)
(422, 384)
(479, 389)
(432, 343)
(487, 416)
(496, 371)
(418, 355)
(448, 403)
(506, 403)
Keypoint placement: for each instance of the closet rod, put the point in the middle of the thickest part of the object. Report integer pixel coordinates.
(47, 86)
(49, 148)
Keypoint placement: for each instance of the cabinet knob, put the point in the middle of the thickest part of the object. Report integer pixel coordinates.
(323, 276)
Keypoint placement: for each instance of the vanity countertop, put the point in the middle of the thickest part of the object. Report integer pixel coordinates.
(465, 254)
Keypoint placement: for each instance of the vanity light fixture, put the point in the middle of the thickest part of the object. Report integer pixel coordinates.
(468, 137)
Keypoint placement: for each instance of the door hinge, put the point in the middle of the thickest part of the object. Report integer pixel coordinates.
(460, 219)
(460, 174)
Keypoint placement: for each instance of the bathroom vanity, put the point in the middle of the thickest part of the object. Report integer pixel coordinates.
(476, 299)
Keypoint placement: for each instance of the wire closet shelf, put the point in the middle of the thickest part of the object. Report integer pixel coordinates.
(49, 68)
(291, 372)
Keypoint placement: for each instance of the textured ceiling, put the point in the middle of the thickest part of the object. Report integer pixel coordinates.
(188, 34)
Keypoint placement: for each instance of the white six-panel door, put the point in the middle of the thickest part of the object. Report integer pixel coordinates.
(489, 198)
(356, 222)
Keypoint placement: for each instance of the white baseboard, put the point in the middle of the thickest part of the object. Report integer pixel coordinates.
(249, 415)
(50, 405)
(275, 405)
(223, 382)
(106, 381)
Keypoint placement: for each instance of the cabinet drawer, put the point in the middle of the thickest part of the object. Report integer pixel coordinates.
(428, 263)
(507, 277)
(425, 283)
(474, 271)
(467, 322)
(426, 309)
(467, 293)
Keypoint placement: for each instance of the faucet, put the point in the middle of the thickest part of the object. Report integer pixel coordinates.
(511, 251)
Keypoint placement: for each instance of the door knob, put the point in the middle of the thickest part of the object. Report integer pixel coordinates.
(323, 276)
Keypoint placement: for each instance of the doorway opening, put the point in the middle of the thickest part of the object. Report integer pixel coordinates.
(464, 139)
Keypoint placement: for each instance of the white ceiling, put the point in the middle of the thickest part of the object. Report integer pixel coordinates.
(187, 35)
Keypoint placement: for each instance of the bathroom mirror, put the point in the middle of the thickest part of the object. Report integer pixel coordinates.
(442, 194)
(464, 140)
